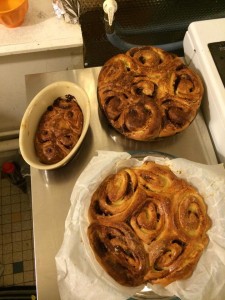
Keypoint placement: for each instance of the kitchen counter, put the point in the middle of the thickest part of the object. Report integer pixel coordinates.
(41, 30)
(51, 190)
(43, 43)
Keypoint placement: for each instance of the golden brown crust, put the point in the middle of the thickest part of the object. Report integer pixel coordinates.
(58, 130)
(148, 93)
(164, 214)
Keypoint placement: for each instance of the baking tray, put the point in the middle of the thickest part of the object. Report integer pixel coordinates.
(50, 210)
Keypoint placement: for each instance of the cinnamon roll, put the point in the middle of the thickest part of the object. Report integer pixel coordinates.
(172, 258)
(151, 218)
(59, 129)
(116, 197)
(148, 93)
(147, 225)
(119, 251)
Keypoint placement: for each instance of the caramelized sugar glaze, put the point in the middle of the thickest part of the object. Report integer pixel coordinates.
(147, 225)
(148, 93)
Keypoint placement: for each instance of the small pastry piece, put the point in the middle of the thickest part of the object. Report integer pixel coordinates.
(58, 130)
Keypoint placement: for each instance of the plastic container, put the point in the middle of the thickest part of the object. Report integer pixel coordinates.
(12, 12)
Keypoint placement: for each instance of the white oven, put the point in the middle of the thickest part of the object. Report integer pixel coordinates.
(204, 49)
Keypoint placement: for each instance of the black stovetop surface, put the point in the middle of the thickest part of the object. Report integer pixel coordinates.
(142, 22)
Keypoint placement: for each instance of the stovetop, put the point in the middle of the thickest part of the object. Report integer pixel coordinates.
(143, 22)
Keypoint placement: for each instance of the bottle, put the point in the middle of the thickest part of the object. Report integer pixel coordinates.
(12, 171)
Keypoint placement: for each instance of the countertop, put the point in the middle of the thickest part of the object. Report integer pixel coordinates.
(51, 190)
(42, 30)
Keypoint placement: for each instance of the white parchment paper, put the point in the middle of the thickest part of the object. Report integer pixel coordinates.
(81, 277)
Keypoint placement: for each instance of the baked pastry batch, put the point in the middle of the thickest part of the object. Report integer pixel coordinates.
(58, 130)
(147, 226)
(148, 93)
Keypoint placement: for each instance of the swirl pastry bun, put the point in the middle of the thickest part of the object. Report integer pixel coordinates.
(58, 130)
(147, 225)
(148, 93)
